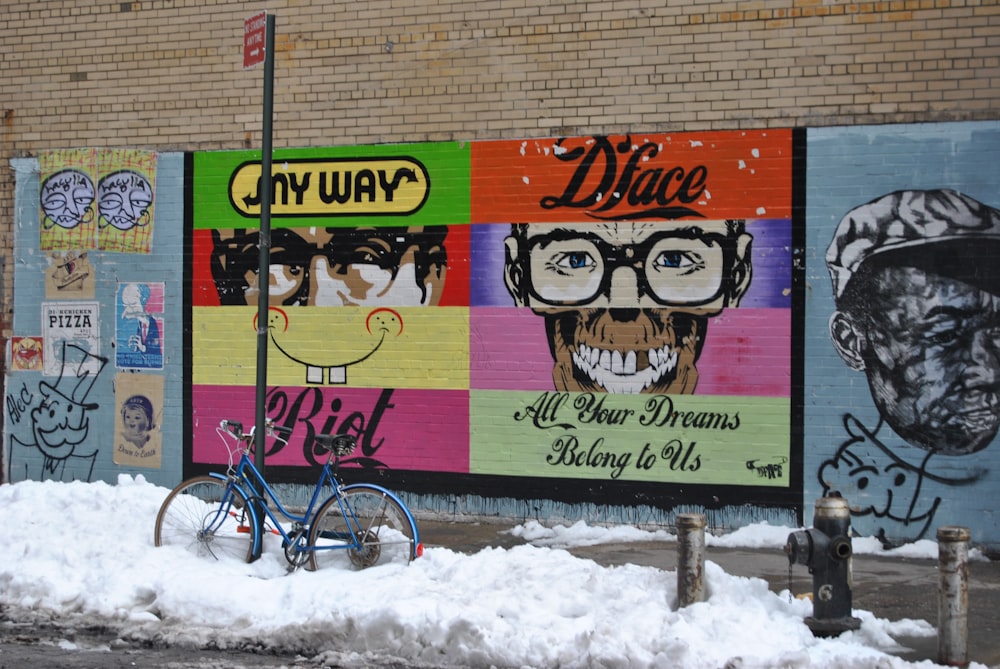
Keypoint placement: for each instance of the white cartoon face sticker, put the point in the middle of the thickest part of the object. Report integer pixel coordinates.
(123, 200)
(66, 198)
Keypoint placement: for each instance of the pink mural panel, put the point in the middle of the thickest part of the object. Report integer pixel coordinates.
(746, 352)
(423, 430)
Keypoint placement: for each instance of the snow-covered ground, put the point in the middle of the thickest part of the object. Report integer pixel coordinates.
(85, 550)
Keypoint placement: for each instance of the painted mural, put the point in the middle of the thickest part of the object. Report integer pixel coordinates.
(636, 270)
(618, 327)
(368, 291)
(903, 348)
(508, 309)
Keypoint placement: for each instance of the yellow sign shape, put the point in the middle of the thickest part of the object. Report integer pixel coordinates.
(396, 186)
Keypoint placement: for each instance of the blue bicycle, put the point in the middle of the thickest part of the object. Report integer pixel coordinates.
(219, 514)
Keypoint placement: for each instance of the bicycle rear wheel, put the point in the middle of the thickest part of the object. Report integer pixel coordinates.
(209, 517)
(386, 532)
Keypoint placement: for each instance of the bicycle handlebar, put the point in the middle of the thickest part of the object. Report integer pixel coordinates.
(235, 428)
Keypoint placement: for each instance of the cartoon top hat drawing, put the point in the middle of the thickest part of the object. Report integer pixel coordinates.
(79, 371)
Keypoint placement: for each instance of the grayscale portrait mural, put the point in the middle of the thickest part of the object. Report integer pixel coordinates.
(903, 327)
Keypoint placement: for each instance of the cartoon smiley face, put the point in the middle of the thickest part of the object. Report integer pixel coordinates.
(59, 423)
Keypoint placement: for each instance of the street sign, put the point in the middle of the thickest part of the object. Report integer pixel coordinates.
(254, 40)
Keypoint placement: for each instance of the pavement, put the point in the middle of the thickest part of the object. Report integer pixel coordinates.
(892, 588)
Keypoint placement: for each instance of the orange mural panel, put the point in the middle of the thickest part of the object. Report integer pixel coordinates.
(711, 175)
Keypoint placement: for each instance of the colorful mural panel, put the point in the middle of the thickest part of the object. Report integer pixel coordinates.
(663, 439)
(420, 430)
(635, 270)
(368, 285)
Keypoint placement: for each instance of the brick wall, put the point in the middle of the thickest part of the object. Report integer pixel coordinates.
(168, 73)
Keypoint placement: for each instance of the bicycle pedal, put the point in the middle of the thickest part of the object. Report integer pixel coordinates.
(243, 529)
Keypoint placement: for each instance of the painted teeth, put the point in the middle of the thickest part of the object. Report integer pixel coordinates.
(616, 372)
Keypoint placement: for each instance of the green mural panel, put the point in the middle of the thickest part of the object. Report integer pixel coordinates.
(672, 439)
(392, 184)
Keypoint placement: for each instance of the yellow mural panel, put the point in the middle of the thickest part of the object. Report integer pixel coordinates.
(403, 347)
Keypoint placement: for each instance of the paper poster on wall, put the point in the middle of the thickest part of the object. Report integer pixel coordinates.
(70, 323)
(25, 354)
(139, 402)
(69, 276)
(139, 326)
(67, 199)
(125, 200)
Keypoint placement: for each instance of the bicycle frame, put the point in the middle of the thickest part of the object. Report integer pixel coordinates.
(255, 487)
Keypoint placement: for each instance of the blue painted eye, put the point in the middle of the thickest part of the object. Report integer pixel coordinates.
(576, 260)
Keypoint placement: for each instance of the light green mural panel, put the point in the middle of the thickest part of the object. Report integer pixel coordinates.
(654, 438)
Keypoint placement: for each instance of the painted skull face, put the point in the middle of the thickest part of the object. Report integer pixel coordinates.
(626, 305)
(66, 198)
(124, 198)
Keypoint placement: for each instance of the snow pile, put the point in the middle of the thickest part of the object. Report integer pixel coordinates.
(85, 550)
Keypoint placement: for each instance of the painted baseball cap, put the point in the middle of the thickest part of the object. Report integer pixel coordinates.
(905, 220)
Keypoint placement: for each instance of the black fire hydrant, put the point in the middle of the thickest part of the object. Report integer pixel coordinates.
(826, 549)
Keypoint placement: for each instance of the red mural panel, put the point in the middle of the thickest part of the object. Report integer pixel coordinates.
(710, 175)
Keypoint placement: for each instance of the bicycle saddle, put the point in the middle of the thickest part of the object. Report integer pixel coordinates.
(340, 444)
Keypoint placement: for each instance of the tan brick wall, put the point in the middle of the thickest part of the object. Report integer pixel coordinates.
(168, 74)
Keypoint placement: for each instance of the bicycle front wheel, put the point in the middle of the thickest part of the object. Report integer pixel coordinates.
(383, 530)
(209, 517)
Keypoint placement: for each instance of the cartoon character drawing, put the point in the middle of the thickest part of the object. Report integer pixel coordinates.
(60, 423)
(329, 366)
(627, 304)
(66, 198)
(124, 198)
(26, 353)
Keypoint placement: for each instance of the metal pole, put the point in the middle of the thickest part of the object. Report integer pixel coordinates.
(953, 602)
(264, 269)
(690, 558)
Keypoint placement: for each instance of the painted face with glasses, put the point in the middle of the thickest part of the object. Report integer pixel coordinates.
(334, 266)
(627, 304)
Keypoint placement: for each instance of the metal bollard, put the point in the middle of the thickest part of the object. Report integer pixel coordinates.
(953, 602)
(690, 558)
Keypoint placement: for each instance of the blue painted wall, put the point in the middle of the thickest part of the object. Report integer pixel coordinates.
(92, 457)
(894, 486)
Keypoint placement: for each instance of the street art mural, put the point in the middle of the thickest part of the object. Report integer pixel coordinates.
(636, 270)
(93, 294)
(915, 309)
(481, 293)
(614, 328)
(368, 281)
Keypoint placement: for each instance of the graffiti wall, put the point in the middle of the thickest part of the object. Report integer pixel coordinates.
(903, 326)
(611, 328)
(94, 381)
